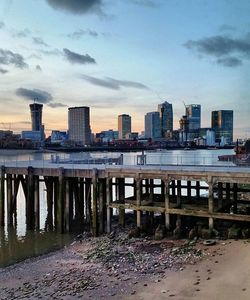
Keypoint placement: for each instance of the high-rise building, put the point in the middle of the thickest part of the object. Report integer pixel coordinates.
(193, 113)
(152, 125)
(222, 124)
(79, 125)
(166, 117)
(124, 125)
(36, 110)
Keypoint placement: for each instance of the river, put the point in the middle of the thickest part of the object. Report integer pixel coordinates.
(17, 243)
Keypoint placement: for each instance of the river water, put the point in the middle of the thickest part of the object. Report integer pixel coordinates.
(17, 243)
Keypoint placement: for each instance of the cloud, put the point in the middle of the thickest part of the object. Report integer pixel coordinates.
(78, 58)
(78, 7)
(8, 57)
(224, 48)
(2, 25)
(38, 68)
(39, 41)
(40, 96)
(112, 83)
(80, 33)
(57, 104)
(229, 61)
(149, 3)
(226, 27)
(22, 33)
(3, 71)
(50, 52)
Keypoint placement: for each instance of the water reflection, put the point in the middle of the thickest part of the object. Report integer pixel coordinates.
(14, 248)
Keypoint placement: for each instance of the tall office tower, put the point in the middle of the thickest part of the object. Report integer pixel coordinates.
(79, 125)
(152, 125)
(222, 123)
(166, 117)
(193, 113)
(36, 116)
(124, 125)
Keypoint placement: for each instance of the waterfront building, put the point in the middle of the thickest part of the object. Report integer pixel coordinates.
(124, 125)
(222, 124)
(193, 113)
(132, 136)
(152, 125)
(184, 133)
(33, 135)
(166, 117)
(79, 125)
(58, 137)
(107, 135)
(36, 110)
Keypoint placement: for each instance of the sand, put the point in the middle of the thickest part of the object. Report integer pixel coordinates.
(223, 273)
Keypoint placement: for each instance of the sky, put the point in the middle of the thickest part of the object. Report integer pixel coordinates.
(123, 56)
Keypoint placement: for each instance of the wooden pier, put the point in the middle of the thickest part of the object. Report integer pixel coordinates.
(89, 194)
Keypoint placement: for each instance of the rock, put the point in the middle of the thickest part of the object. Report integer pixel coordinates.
(233, 232)
(193, 233)
(163, 291)
(159, 232)
(134, 232)
(246, 233)
(177, 232)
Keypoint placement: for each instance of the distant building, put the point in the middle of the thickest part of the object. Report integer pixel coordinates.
(152, 125)
(166, 117)
(222, 124)
(36, 110)
(193, 113)
(124, 125)
(57, 137)
(107, 136)
(33, 135)
(184, 130)
(132, 136)
(79, 125)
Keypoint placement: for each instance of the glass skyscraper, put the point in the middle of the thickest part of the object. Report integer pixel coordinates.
(124, 125)
(193, 113)
(166, 117)
(152, 125)
(222, 123)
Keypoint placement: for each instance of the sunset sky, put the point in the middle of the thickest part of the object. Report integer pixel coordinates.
(123, 56)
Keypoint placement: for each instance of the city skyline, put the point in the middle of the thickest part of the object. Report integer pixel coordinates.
(93, 56)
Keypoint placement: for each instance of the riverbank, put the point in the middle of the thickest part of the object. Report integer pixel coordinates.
(115, 267)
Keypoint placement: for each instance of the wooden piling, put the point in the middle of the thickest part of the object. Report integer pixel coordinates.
(108, 202)
(121, 199)
(37, 202)
(95, 195)
(138, 201)
(30, 208)
(60, 202)
(210, 203)
(9, 200)
(167, 204)
(2, 195)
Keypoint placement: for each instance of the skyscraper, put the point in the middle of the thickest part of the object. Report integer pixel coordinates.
(152, 125)
(222, 123)
(79, 125)
(193, 113)
(36, 116)
(124, 125)
(166, 117)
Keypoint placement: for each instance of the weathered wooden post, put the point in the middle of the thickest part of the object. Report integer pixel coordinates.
(167, 204)
(197, 189)
(178, 193)
(60, 201)
(102, 201)
(173, 188)
(87, 205)
(210, 202)
(67, 206)
(121, 199)
(95, 195)
(189, 190)
(108, 202)
(228, 193)
(235, 197)
(37, 202)
(9, 200)
(2, 195)
(220, 195)
(138, 201)
(30, 211)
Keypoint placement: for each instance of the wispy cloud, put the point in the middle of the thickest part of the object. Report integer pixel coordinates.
(229, 51)
(149, 3)
(2, 25)
(78, 7)
(3, 71)
(7, 57)
(112, 83)
(39, 41)
(76, 58)
(38, 68)
(21, 33)
(40, 95)
(50, 52)
(56, 105)
(80, 33)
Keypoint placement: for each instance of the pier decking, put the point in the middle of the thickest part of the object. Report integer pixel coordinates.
(89, 193)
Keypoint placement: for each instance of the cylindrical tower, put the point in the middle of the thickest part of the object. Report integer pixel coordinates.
(36, 116)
